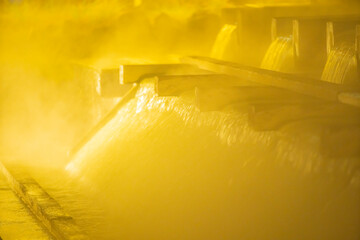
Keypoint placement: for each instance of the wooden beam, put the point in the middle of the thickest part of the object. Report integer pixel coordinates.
(131, 73)
(109, 84)
(168, 85)
(316, 88)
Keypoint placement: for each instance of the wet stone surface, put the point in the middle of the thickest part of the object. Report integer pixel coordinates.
(16, 222)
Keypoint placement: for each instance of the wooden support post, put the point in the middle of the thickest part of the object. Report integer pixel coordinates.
(109, 84)
(105, 80)
(309, 35)
(116, 81)
(341, 30)
(254, 28)
(330, 41)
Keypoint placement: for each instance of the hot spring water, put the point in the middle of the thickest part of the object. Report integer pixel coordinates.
(279, 55)
(341, 65)
(223, 40)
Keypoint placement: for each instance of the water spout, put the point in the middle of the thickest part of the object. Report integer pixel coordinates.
(340, 67)
(279, 55)
(223, 40)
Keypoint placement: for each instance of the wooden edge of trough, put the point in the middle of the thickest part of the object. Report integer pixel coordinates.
(47, 211)
(170, 85)
(311, 87)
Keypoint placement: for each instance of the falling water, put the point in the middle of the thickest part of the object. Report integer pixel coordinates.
(222, 41)
(340, 65)
(167, 171)
(279, 55)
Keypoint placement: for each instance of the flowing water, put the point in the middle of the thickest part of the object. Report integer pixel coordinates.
(340, 66)
(160, 169)
(279, 55)
(222, 41)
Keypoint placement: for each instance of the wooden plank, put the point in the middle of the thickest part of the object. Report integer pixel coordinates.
(168, 85)
(323, 90)
(336, 29)
(130, 73)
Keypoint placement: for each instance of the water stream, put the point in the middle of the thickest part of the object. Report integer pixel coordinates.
(222, 41)
(161, 169)
(340, 67)
(279, 56)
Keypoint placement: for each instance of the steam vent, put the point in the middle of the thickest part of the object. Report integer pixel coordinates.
(179, 119)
